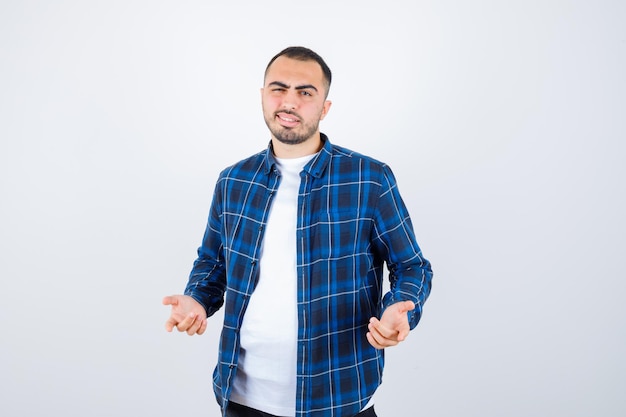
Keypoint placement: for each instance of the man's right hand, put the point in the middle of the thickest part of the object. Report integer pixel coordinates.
(188, 315)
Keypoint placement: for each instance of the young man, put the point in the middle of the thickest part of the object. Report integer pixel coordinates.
(296, 242)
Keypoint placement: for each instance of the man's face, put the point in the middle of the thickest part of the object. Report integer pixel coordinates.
(294, 100)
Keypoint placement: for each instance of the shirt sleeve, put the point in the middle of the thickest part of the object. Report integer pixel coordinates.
(410, 273)
(207, 279)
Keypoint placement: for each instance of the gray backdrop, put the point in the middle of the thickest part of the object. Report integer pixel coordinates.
(503, 121)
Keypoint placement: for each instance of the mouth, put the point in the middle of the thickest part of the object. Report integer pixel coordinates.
(287, 119)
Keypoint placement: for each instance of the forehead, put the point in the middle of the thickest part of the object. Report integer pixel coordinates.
(294, 72)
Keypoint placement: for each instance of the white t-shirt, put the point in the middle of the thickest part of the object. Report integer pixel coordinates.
(266, 372)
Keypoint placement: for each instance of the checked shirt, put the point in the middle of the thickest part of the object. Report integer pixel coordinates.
(351, 223)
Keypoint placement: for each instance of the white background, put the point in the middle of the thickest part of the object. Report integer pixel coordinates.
(504, 122)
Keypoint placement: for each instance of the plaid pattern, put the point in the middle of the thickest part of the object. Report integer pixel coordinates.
(351, 222)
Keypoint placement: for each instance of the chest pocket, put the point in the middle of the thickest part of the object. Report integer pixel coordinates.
(338, 233)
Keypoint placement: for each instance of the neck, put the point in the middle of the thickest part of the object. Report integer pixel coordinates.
(308, 147)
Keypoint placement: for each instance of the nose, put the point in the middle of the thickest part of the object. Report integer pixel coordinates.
(290, 100)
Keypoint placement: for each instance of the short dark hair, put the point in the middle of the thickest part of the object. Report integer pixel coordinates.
(301, 53)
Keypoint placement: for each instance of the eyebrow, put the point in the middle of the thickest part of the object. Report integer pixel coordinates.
(299, 87)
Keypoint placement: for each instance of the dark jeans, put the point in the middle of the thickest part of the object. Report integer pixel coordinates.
(238, 410)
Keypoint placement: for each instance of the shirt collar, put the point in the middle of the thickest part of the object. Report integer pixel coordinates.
(314, 167)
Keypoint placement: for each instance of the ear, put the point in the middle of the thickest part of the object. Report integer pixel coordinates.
(325, 109)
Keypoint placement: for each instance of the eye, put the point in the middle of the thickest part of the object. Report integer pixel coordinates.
(306, 93)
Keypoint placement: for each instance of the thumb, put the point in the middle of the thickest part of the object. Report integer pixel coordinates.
(170, 300)
(406, 306)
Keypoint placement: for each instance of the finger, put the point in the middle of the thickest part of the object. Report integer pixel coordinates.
(170, 323)
(195, 326)
(373, 341)
(377, 338)
(202, 327)
(378, 341)
(402, 335)
(384, 331)
(186, 323)
(381, 338)
(198, 327)
(373, 332)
